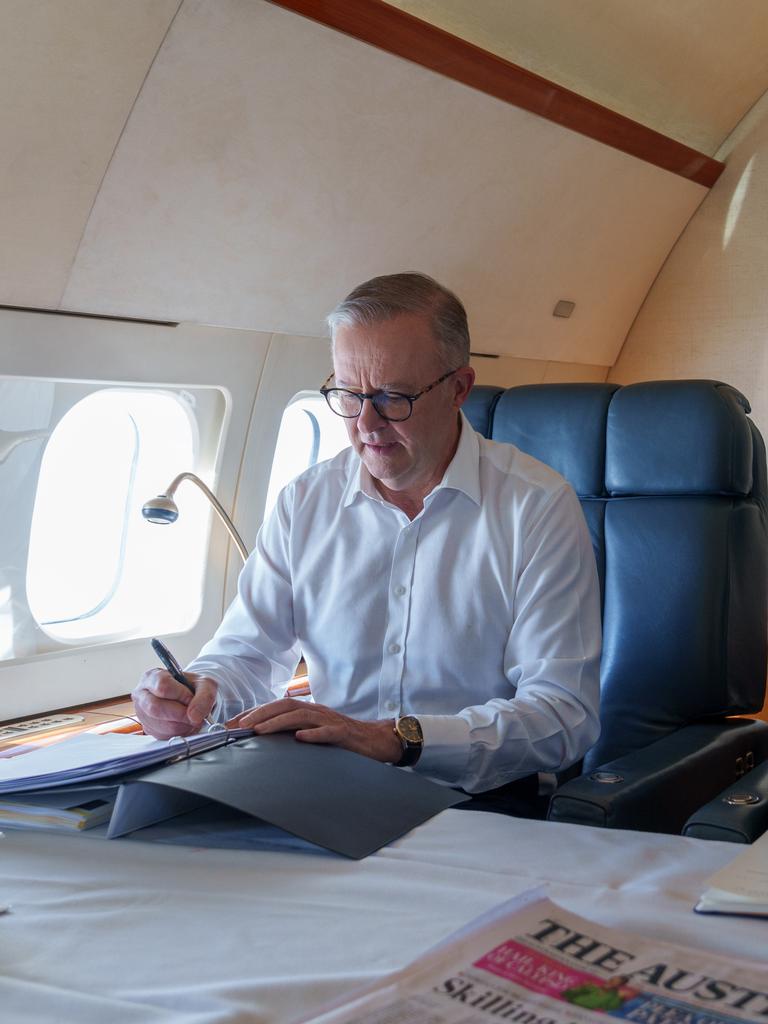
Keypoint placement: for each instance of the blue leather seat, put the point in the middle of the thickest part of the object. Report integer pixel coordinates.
(737, 815)
(672, 479)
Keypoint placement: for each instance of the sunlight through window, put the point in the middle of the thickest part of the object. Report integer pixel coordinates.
(737, 203)
(95, 568)
(309, 433)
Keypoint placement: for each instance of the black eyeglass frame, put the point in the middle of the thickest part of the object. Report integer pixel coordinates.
(374, 395)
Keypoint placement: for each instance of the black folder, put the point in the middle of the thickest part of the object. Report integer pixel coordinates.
(339, 800)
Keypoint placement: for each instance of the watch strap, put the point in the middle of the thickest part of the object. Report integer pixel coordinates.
(411, 748)
(411, 754)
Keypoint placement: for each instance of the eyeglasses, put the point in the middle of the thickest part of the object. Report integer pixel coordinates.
(390, 405)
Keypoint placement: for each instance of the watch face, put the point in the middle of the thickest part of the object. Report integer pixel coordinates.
(410, 729)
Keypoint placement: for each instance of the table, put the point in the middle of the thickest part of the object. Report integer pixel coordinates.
(131, 930)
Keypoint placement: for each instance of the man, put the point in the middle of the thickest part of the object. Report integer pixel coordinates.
(441, 587)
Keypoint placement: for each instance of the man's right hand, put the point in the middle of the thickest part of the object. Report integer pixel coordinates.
(166, 708)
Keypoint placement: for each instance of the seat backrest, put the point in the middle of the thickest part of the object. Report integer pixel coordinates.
(672, 479)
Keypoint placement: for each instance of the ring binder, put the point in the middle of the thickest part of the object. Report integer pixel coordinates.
(83, 759)
(331, 797)
(187, 753)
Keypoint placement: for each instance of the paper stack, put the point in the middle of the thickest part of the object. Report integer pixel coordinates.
(741, 887)
(58, 809)
(84, 758)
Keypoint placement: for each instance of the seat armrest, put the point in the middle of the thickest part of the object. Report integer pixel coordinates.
(737, 815)
(657, 788)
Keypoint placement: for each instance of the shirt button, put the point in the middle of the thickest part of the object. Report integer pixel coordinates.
(390, 705)
(394, 648)
(400, 590)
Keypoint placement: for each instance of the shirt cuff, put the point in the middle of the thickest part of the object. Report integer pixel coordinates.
(446, 747)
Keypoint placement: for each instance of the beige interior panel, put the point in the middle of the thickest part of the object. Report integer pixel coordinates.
(508, 372)
(270, 164)
(69, 72)
(80, 348)
(687, 68)
(707, 314)
(574, 373)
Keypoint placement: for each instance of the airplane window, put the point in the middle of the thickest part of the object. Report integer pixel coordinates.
(309, 433)
(90, 571)
(99, 465)
(82, 565)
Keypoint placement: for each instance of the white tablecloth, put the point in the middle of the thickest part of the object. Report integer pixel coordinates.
(129, 930)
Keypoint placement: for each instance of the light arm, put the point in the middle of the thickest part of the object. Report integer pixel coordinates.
(163, 509)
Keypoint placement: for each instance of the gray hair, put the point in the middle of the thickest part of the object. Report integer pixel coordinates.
(383, 298)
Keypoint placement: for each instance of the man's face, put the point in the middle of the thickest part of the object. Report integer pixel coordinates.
(401, 355)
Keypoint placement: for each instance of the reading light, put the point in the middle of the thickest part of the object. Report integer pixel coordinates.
(163, 509)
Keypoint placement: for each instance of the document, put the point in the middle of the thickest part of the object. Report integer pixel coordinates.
(531, 961)
(741, 887)
(333, 798)
(85, 757)
(66, 809)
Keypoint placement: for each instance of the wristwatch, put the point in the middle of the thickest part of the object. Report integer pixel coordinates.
(408, 731)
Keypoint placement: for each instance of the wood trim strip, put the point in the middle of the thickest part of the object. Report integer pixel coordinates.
(402, 34)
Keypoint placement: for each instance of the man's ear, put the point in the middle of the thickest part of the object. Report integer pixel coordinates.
(464, 379)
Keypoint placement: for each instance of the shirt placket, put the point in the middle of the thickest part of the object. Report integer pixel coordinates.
(399, 596)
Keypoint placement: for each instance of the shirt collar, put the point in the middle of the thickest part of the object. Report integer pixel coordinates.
(462, 474)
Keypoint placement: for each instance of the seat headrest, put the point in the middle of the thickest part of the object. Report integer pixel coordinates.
(479, 405)
(560, 424)
(678, 437)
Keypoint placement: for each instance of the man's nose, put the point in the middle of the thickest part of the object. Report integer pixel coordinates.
(369, 419)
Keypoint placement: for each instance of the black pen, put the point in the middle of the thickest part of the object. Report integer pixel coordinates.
(174, 668)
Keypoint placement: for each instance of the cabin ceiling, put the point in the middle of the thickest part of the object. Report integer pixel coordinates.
(230, 162)
(70, 71)
(689, 69)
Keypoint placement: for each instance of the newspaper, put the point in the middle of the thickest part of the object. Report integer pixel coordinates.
(532, 962)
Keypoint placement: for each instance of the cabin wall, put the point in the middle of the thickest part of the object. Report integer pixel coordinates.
(508, 371)
(707, 312)
(257, 372)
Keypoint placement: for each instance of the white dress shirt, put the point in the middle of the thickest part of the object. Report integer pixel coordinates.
(481, 616)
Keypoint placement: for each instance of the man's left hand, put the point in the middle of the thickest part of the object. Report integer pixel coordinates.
(315, 723)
